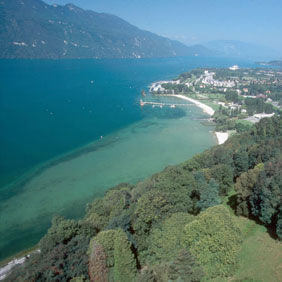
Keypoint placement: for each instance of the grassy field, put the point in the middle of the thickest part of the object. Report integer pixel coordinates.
(244, 122)
(206, 100)
(260, 258)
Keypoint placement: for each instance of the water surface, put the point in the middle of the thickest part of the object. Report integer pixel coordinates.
(52, 117)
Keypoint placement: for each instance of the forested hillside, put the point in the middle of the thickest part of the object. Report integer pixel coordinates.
(179, 224)
(34, 29)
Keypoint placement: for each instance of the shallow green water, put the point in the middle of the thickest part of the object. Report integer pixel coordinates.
(128, 155)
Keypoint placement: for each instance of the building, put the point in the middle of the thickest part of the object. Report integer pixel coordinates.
(235, 67)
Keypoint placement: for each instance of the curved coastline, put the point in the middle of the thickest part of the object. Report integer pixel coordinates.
(221, 137)
(206, 109)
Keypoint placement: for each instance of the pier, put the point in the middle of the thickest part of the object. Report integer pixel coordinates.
(159, 104)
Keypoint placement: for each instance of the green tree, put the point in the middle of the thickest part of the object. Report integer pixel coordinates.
(147, 275)
(185, 268)
(106, 239)
(151, 207)
(61, 231)
(120, 260)
(223, 175)
(279, 224)
(97, 268)
(209, 196)
(214, 240)
(125, 263)
(167, 240)
(241, 161)
(244, 187)
(266, 197)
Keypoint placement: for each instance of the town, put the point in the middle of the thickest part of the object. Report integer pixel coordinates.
(239, 97)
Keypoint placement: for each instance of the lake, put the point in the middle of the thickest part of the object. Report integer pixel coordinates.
(71, 129)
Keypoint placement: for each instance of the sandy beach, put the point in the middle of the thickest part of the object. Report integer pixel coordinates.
(221, 137)
(207, 109)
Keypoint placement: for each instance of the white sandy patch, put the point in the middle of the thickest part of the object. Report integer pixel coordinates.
(4, 271)
(221, 137)
(207, 109)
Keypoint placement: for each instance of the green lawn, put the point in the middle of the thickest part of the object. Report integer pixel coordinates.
(260, 257)
(244, 122)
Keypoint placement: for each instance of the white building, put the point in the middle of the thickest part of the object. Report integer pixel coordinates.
(235, 67)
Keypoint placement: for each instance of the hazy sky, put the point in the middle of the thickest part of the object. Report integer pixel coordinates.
(197, 21)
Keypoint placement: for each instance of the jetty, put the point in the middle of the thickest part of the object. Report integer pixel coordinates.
(160, 104)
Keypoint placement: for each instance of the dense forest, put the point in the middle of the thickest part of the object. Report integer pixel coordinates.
(177, 225)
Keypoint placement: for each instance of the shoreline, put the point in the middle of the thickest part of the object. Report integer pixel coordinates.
(7, 268)
(206, 109)
(124, 136)
(222, 137)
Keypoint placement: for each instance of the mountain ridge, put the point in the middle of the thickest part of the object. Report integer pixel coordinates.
(236, 48)
(34, 29)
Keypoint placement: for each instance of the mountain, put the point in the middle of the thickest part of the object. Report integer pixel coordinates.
(276, 63)
(233, 48)
(34, 29)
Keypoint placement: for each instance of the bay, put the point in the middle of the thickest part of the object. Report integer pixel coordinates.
(71, 129)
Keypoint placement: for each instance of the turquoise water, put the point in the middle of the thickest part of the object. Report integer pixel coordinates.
(52, 117)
